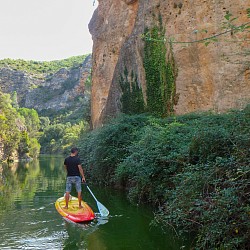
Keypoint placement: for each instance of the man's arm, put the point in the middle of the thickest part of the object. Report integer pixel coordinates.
(65, 165)
(81, 172)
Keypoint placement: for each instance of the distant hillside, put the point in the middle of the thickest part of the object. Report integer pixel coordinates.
(53, 88)
(41, 67)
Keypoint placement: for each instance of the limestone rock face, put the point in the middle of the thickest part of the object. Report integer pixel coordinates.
(112, 23)
(55, 92)
(214, 77)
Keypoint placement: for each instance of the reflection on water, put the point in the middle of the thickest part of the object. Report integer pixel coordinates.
(29, 220)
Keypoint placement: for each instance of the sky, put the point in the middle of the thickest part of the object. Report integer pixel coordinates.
(45, 30)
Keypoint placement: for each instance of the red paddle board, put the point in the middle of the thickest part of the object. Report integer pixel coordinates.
(74, 213)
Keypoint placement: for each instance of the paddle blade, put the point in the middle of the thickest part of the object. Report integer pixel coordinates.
(102, 209)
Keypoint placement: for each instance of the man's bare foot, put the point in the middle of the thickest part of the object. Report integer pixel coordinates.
(80, 206)
(65, 207)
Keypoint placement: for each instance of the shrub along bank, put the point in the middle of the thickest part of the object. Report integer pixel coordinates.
(194, 168)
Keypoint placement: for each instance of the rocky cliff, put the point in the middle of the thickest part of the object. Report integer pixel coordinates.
(144, 57)
(53, 91)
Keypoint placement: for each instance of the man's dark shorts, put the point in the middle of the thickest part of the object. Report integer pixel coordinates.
(76, 180)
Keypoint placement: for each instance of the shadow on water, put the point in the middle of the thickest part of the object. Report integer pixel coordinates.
(29, 220)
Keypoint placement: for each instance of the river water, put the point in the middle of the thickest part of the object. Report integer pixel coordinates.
(29, 220)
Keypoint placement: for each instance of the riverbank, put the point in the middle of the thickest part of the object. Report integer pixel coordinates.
(194, 169)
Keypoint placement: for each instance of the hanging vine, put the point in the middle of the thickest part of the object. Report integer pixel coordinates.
(132, 97)
(160, 72)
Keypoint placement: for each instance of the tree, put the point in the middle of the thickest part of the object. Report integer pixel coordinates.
(32, 121)
(14, 100)
(10, 124)
(44, 123)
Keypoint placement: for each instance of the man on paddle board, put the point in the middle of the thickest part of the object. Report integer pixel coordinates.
(75, 175)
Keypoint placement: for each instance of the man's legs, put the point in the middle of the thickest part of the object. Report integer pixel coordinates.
(68, 190)
(80, 199)
(67, 199)
(79, 190)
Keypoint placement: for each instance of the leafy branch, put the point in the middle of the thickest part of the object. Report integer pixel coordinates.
(228, 25)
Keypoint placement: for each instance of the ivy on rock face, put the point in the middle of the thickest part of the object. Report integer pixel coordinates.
(132, 97)
(160, 73)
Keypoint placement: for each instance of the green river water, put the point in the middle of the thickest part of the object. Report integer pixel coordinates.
(29, 220)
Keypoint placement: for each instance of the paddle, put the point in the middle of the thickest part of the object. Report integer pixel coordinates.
(102, 209)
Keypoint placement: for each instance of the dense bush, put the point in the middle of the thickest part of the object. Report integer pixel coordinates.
(103, 149)
(194, 168)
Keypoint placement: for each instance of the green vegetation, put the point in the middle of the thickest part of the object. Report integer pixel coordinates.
(9, 122)
(79, 111)
(60, 130)
(59, 137)
(160, 72)
(193, 168)
(132, 97)
(36, 67)
(18, 130)
(32, 121)
(23, 132)
(53, 130)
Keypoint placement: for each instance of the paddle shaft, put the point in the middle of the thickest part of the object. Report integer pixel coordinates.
(91, 193)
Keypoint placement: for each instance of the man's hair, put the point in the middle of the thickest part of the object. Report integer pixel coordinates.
(74, 150)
